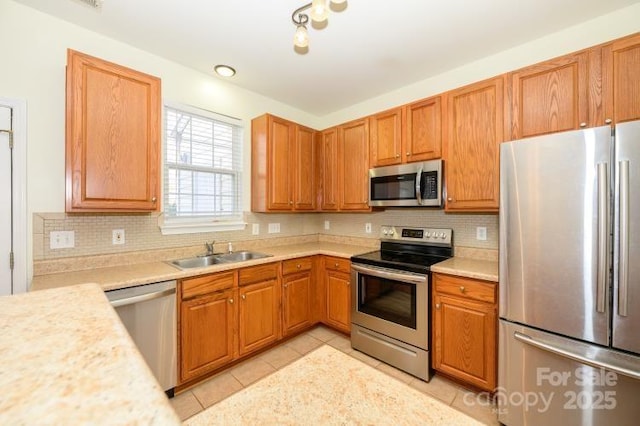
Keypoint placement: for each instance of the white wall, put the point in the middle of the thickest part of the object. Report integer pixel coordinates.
(602, 29)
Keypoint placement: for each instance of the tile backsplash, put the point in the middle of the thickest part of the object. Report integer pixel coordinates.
(93, 232)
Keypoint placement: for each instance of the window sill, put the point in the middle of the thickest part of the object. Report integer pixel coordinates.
(191, 226)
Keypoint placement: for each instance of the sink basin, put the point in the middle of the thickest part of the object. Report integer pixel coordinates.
(198, 262)
(214, 259)
(239, 256)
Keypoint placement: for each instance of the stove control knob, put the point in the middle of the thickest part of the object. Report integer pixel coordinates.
(427, 234)
(391, 232)
(384, 231)
(443, 235)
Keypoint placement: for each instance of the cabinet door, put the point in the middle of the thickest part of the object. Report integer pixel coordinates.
(550, 97)
(621, 74)
(206, 333)
(386, 138)
(475, 129)
(353, 153)
(280, 162)
(296, 302)
(465, 340)
(112, 137)
(338, 300)
(423, 137)
(329, 169)
(258, 320)
(304, 169)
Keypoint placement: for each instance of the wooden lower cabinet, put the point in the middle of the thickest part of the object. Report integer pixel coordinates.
(207, 337)
(337, 278)
(258, 309)
(465, 330)
(297, 286)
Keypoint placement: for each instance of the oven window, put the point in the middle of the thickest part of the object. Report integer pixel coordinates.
(390, 300)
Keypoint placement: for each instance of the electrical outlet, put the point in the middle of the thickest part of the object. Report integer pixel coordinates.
(274, 228)
(62, 239)
(367, 228)
(255, 229)
(327, 225)
(481, 233)
(117, 236)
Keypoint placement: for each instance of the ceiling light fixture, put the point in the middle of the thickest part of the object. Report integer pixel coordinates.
(319, 14)
(224, 70)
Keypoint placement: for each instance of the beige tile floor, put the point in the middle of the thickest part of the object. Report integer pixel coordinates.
(230, 381)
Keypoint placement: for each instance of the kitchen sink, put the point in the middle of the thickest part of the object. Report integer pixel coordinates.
(215, 259)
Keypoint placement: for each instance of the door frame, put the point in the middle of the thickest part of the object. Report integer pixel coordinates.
(21, 223)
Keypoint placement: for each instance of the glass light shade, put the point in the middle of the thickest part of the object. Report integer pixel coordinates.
(319, 10)
(224, 70)
(301, 37)
(338, 1)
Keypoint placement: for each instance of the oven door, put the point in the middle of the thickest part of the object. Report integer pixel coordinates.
(391, 302)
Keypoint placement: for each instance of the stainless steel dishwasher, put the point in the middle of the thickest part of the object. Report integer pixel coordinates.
(149, 314)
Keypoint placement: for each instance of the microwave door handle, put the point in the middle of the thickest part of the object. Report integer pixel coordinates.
(418, 186)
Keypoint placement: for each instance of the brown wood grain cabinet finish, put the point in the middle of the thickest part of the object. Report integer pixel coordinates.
(258, 315)
(465, 330)
(474, 133)
(112, 137)
(202, 285)
(385, 138)
(353, 160)
(423, 130)
(338, 285)
(254, 274)
(296, 302)
(329, 166)
(621, 75)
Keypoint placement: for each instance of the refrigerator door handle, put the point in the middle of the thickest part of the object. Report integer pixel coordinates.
(623, 262)
(603, 233)
(581, 358)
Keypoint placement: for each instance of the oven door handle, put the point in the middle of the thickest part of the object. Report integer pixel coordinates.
(409, 278)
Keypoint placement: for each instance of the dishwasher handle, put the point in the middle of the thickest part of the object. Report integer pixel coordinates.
(142, 297)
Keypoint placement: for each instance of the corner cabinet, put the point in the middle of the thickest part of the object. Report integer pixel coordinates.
(283, 166)
(328, 170)
(471, 151)
(465, 329)
(353, 160)
(112, 137)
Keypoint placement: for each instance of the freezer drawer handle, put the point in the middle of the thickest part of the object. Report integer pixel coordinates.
(603, 232)
(623, 277)
(142, 298)
(575, 356)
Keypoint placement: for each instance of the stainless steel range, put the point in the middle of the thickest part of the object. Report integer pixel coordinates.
(391, 293)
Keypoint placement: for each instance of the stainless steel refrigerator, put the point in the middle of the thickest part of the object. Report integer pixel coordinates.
(569, 337)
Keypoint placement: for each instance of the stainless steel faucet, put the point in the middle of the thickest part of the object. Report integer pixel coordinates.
(209, 247)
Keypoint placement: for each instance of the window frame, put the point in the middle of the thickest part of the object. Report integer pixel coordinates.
(171, 225)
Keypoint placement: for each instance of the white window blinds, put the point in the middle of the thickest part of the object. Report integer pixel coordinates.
(203, 159)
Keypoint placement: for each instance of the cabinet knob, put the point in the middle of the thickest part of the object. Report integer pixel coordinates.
(397, 155)
(408, 154)
(437, 306)
(290, 202)
(607, 121)
(231, 301)
(583, 124)
(298, 266)
(154, 199)
(337, 265)
(285, 285)
(449, 199)
(244, 297)
(462, 289)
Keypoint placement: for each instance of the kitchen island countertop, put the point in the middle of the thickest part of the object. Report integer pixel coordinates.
(65, 358)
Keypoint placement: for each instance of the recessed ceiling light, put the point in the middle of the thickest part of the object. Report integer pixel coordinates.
(224, 70)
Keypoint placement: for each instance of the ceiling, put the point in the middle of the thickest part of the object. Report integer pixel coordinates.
(369, 48)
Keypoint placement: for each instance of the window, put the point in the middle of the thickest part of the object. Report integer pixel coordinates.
(202, 179)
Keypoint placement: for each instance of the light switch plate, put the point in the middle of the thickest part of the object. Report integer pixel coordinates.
(62, 239)
(327, 225)
(481, 233)
(255, 229)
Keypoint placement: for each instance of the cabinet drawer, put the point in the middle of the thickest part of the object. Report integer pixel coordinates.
(296, 265)
(337, 264)
(483, 291)
(258, 273)
(205, 284)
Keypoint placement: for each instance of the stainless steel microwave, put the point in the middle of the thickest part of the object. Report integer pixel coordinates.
(406, 185)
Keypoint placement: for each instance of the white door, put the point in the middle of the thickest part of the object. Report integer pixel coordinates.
(6, 275)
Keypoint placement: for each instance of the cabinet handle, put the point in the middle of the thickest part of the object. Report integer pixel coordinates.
(607, 121)
(231, 301)
(437, 306)
(154, 199)
(244, 297)
(462, 289)
(583, 125)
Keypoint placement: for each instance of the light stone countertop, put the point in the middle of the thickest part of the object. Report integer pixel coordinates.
(65, 358)
(468, 267)
(121, 276)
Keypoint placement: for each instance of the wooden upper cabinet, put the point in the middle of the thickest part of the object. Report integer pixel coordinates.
(328, 170)
(423, 130)
(474, 132)
(621, 76)
(112, 137)
(551, 96)
(353, 154)
(386, 138)
(283, 165)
